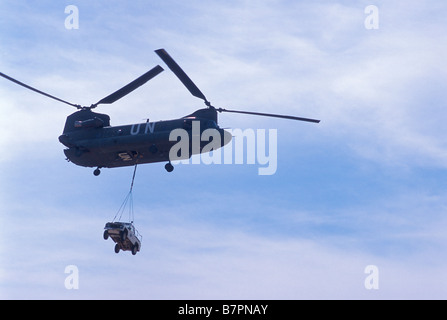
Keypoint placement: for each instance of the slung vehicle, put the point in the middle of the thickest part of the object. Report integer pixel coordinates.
(124, 235)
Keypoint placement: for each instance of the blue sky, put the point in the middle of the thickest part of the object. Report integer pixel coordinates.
(364, 187)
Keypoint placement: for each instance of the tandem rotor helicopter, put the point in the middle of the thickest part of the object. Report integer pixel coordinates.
(92, 142)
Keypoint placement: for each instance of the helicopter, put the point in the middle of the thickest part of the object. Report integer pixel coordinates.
(91, 141)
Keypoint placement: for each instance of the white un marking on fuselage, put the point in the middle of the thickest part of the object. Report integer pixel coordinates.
(150, 126)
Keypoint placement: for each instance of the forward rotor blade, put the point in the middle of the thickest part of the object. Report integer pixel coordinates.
(38, 91)
(131, 86)
(270, 115)
(183, 77)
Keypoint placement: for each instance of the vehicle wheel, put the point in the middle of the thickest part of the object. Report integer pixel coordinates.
(134, 249)
(123, 235)
(97, 172)
(106, 235)
(117, 248)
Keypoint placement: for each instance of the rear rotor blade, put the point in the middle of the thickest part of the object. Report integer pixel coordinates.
(270, 115)
(183, 77)
(131, 86)
(38, 91)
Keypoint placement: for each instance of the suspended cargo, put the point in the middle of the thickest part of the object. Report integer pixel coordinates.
(124, 235)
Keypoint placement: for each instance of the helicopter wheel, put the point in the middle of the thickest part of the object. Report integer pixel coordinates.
(97, 172)
(169, 167)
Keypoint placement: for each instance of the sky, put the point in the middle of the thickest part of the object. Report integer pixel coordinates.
(363, 190)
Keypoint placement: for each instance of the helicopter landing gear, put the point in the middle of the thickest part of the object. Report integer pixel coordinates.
(97, 172)
(169, 167)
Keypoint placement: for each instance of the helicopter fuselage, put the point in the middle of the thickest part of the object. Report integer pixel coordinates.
(92, 142)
